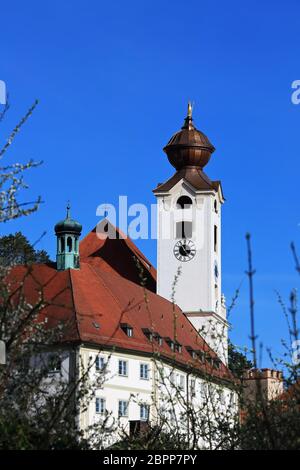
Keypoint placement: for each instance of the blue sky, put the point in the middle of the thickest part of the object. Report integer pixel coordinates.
(113, 80)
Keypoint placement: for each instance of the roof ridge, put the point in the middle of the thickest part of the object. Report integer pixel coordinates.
(74, 305)
(104, 284)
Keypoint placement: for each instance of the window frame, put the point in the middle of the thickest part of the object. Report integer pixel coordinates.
(102, 358)
(144, 406)
(54, 358)
(100, 401)
(193, 387)
(143, 365)
(126, 415)
(181, 382)
(126, 367)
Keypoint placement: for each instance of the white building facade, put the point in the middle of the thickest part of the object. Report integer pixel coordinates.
(159, 346)
(139, 390)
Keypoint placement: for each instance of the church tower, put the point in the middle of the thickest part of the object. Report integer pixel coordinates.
(189, 236)
(67, 232)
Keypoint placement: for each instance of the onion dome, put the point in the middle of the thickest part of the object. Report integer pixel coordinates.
(68, 225)
(189, 146)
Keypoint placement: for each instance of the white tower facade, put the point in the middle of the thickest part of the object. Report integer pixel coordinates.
(189, 237)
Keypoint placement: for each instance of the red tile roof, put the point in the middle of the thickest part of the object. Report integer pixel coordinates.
(105, 292)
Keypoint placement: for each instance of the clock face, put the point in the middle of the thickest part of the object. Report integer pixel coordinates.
(184, 250)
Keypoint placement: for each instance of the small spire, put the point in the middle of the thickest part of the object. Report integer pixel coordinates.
(68, 210)
(190, 110)
(188, 122)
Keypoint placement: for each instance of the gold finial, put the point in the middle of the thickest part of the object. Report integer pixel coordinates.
(188, 121)
(190, 109)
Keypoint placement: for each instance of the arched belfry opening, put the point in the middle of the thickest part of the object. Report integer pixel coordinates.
(184, 228)
(184, 202)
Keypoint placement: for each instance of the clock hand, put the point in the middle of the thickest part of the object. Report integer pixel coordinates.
(184, 249)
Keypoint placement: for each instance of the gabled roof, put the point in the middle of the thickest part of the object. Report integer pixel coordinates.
(194, 176)
(117, 255)
(105, 292)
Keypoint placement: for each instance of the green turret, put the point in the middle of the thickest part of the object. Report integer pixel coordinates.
(67, 232)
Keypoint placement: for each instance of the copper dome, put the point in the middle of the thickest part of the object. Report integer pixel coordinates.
(68, 225)
(189, 147)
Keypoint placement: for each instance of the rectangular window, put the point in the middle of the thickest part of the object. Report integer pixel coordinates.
(215, 238)
(172, 378)
(144, 412)
(100, 363)
(100, 405)
(123, 408)
(144, 371)
(193, 388)
(123, 369)
(222, 397)
(171, 415)
(204, 390)
(181, 381)
(184, 230)
(54, 364)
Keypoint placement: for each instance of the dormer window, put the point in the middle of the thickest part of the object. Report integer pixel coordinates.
(158, 339)
(216, 363)
(148, 333)
(201, 355)
(209, 359)
(170, 343)
(153, 336)
(192, 352)
(128, 330)
(177, 347)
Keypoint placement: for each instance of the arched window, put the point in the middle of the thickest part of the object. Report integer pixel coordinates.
(184, 202)
(184, 229)
(69, 244)
(62, 244)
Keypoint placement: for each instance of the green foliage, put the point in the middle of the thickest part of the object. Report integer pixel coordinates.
(16, 249)
(237, 361)
(271, 426)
